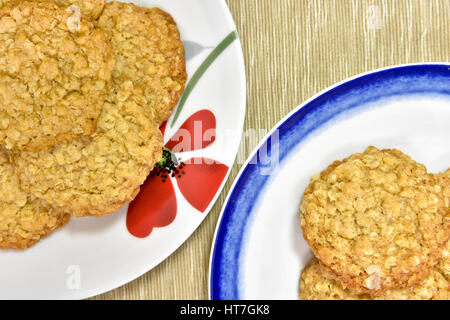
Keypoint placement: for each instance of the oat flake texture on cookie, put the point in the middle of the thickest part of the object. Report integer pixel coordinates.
(96, 176)
(24, 219)
(150, 53)
(317, 284)
(90, 8)
(99, 175)
(444, 182)
(444, 263)
(375, 220)
(55, 74)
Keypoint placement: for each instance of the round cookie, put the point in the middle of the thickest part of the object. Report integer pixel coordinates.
(375, 220)
(90, 8)
(97, 176)
(55, 71)
(24, 220)
(150, 53)
(317, 284)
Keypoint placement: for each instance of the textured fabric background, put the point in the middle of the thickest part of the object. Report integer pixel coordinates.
(294, 49)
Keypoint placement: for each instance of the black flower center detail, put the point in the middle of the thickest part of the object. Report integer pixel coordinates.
(169, 165)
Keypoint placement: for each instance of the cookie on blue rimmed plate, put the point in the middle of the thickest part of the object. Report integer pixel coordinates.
(375, 220)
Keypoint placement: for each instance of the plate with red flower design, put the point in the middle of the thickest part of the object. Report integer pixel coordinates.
(91, 255)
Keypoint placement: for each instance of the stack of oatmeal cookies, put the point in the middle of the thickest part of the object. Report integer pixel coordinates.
(84, 87)
(378, 224)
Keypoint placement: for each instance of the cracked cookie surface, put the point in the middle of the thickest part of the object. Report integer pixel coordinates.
(375, 220)
(150, 53)
(54, 75)
(24, 219)
(317, 284)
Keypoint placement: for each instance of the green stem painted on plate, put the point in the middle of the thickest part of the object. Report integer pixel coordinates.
(201, 70)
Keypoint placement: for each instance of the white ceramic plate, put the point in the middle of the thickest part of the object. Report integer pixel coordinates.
(259, 250)
(92, 255)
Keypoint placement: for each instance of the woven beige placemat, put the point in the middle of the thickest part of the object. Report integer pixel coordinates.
(294, 49)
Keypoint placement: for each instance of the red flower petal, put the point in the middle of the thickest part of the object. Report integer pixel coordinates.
(154, 206)
(162, 128)
(197, 132)
(201, 179)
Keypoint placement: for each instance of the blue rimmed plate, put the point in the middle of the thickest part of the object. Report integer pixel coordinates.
(259, 251)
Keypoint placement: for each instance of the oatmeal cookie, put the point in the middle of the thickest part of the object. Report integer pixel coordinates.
(24, 220)
(96, 176)
(375, 220)
(55, 72)
(90, 8)
(317, 284)
(150, 53)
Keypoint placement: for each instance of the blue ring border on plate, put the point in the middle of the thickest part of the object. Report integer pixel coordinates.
(363, 89)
